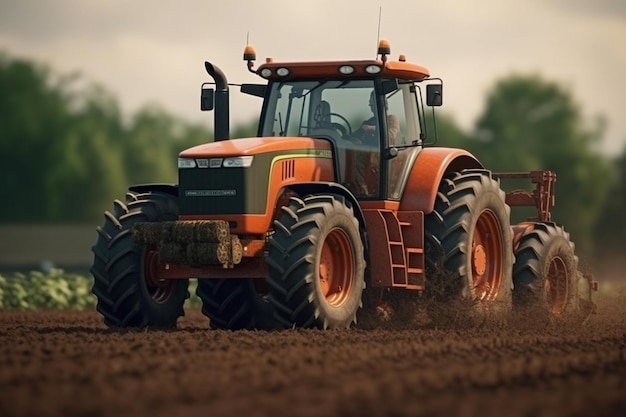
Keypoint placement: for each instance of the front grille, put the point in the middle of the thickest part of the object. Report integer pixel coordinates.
(224, 190)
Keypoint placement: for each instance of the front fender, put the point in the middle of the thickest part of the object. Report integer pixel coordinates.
(171, 189)
(329, 188)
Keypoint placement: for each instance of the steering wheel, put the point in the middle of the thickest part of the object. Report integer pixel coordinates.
(339, 126)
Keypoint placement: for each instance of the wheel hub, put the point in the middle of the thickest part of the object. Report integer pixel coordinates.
(486, 257)
(324, 284)
(159, 289)
(336, 268)
(479, 260)
(556, 285)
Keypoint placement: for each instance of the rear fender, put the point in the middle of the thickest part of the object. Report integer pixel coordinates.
(429, 168)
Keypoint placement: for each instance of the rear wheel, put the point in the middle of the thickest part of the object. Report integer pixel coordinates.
(234, 304)
(316, 264)
(545, 274)
(126, 282)
(469, 252)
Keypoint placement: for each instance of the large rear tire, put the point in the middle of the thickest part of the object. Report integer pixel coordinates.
(469, 254)
(316, 264)
(545, 274)
(126, 286)
(235, 304)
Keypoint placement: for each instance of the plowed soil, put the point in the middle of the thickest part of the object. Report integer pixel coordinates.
(69, 364)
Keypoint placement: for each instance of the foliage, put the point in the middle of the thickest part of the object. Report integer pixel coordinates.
(193, 301)
(152, 143)
(3, 283)
(65, 152)
(245, 130)
(448, 133)
(54, 290)
(532, 124)
(32, 116)
(610, 232)
(57, 290)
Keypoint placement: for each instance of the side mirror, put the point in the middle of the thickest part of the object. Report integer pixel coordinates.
(434, 95)
(207, 99)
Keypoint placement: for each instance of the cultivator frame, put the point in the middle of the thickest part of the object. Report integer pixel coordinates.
(543, 199)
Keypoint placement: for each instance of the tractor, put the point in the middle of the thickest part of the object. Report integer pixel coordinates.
(340, 206)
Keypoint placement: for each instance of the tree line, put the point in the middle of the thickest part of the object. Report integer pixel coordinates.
(66, 149)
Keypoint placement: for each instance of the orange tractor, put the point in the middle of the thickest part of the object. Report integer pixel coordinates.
(340, 203)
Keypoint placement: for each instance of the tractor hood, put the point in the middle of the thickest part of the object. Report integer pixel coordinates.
(255, 146)
(244, 176)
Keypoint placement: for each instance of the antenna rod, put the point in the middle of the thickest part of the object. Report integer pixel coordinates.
(380, 13)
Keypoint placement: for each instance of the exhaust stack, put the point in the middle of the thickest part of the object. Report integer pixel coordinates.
(221, 117)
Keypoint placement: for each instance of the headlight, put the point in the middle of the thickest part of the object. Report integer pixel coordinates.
(186, 163)
(282, 72)
(238, 162)
(373, 69)
(346, 69)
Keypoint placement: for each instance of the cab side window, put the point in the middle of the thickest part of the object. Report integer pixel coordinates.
(402, 104)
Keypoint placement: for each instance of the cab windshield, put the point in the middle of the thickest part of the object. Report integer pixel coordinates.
(349, 113)
(297, 108)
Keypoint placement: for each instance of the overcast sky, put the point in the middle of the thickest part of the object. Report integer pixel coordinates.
(148, 51)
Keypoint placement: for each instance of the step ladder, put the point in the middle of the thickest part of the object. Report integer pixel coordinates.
(396, 248)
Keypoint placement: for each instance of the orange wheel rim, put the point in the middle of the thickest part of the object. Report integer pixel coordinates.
(486, 256)
(160, 290)
(336, 268)
(556, 285)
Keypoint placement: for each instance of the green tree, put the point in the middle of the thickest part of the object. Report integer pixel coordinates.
(59, 146)
(147, 155)
(245, 130)
(611, 225)
(533, 124)
(194, 134)
(449, 134)
(33, 121)
(92, 172)
(154, 140)
(65, 153)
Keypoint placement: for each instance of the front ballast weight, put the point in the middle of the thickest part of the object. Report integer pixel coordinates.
(198, 243)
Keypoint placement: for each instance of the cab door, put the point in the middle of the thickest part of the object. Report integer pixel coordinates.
(403, 128)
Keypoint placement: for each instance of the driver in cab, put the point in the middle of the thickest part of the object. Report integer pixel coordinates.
(369, 128)
(368, 162)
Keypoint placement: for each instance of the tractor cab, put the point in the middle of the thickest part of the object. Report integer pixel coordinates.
(371, 111)
(364, 119)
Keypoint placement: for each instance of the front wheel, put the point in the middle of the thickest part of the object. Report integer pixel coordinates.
(126, 284)
(316, 264)
(235, 304)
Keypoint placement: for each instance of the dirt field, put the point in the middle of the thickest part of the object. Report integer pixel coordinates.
(69, 364)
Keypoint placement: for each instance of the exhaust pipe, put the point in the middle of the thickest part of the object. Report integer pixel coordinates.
(221, 117)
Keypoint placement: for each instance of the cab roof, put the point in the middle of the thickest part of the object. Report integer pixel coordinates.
(400, 69)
